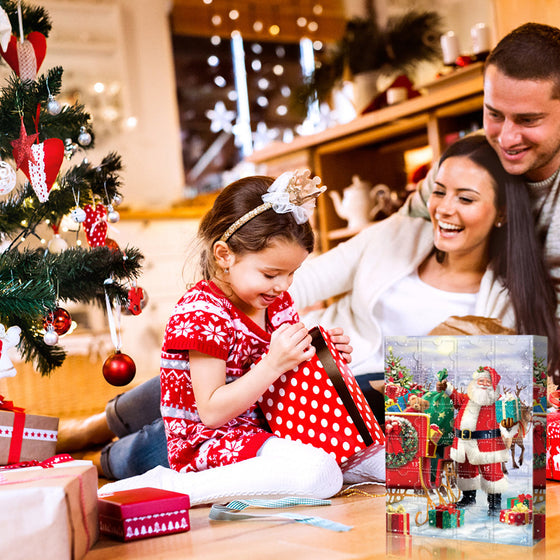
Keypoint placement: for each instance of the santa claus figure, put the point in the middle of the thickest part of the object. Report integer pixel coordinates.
(478, 445)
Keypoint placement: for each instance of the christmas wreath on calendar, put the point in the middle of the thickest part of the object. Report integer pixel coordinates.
(402, 442)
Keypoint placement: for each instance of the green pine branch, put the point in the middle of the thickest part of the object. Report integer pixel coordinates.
(19, 98)
(33, 282)
(35, 18)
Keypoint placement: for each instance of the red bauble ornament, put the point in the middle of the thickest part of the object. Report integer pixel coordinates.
(112, 244)
(60, 320)
(119, 369)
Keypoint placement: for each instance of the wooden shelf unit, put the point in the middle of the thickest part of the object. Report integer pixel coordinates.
(374, 145)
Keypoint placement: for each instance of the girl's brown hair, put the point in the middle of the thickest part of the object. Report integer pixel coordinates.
(258, 233)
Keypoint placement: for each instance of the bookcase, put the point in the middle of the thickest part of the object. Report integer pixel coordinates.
(380, 146)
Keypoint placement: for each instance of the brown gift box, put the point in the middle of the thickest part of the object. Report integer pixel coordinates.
(49, 514)
(26, 437)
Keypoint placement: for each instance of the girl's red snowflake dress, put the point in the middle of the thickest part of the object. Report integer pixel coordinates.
(206, 321)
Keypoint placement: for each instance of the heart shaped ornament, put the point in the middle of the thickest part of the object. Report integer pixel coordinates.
(95, 225)
(43, 169)
(25, 58)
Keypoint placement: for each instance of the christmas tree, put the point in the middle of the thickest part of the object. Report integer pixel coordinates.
(39, 269)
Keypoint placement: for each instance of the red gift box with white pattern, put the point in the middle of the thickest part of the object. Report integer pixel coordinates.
(26, 437)
(141, 513)
(320, 403)
(553, 446)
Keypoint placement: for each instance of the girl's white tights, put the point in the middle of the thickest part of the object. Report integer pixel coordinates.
(282, 468)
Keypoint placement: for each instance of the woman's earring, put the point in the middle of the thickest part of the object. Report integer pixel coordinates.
(499, 224)
(226, 270)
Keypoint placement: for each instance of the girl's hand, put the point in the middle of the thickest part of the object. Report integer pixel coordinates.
(342, 343)
(289, 346)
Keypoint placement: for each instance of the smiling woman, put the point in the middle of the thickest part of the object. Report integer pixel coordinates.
(403, 276)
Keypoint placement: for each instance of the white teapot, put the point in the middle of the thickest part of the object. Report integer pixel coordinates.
(356, 203)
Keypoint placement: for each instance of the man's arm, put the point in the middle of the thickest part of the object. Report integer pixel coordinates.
(416, 204)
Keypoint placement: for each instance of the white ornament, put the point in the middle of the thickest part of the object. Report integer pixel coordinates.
(112, 215)
(53, 106)
(8, 339)
(5, 29)
(221, 118)
(57, 244)
(50, 338)
(78, 215)
(117, 200)
(7, 177)
(84, 138)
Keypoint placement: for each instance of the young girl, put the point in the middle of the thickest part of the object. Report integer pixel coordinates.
(229, 338)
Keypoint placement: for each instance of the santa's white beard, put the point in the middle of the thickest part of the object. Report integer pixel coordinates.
(483, 396)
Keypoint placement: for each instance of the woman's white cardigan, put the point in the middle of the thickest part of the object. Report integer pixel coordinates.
(363, 268)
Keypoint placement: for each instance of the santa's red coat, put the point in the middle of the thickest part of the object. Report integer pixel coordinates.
(471, 416)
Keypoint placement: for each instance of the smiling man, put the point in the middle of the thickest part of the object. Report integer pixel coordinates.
(522, 123)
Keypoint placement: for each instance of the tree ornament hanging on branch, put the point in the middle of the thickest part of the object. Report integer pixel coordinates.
(137, 300)
(84, 138)
(60, 320)
(5, 29)
(50, 338)
(8, 339)
(95, 225)
(118, 369)
(40, 162)
(53, 106)
(8, 178)
(25, 57)
(70, 148)
(26, 54)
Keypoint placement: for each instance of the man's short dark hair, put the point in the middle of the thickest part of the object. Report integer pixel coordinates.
(529, 52)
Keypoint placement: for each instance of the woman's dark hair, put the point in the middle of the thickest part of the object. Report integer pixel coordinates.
(515, 253)
(258, 233)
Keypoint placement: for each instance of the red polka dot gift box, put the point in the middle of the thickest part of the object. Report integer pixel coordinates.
(320, 403)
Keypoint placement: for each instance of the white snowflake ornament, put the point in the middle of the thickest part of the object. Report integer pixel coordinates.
(8, 339)
(221, 118)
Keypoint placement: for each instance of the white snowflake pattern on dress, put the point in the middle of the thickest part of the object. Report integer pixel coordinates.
(206, 321)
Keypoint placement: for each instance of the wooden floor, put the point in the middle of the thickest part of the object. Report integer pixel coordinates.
(263, 540)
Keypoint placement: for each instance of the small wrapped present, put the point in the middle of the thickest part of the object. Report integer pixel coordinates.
(508, 408)
(526, 499)
(142, 513)
(48, 513)
(400, 405)
(446, 516)
(321, 403)
(519, 514)
(398, 520)
(25, 437)
(540, 405)
(393, 391)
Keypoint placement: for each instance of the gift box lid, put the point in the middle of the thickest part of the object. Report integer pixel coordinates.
(141, 501)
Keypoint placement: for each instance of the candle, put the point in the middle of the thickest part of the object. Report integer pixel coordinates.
(480, 37)
(449, 47)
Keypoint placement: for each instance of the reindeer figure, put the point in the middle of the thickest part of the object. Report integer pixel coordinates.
(526, 417)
